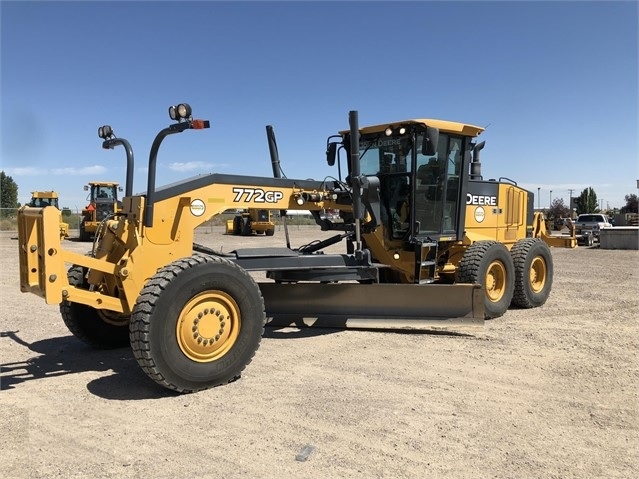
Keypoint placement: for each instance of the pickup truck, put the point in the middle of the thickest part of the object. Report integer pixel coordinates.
(591, 224)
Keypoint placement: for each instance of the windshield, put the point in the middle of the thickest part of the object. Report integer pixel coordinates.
(109, 192)
(433, 181)
(42, 202)
(381, 154)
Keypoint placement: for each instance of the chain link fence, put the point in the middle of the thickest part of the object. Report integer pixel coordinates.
(9, 219)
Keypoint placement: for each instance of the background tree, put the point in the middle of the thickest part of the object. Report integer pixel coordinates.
(8, 194)
(558, 210)
(587, 202)
(631, 204)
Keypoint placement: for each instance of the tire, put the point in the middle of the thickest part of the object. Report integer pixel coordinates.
(237, 225)
(99, 328)
(533, 272)
(197, 323)
(270, 232)
(489, 263)
(84, 236)
(246, 227)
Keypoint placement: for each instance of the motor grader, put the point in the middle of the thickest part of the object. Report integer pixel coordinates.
(428, 244)
(251, 220)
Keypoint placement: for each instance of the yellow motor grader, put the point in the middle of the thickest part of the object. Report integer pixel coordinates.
(428, 244)
(251, 220)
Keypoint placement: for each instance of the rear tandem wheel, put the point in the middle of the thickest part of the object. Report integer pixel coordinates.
(533, 272)
(489, 263)
(197, 323)
(99, 328)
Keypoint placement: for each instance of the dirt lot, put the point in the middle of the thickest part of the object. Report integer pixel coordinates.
(544, 393)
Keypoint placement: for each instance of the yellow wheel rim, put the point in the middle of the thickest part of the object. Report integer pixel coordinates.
(537, 274)
(495, 281)
(113, 318)
(208, 326)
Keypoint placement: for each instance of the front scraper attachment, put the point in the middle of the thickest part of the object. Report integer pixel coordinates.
(458, 307)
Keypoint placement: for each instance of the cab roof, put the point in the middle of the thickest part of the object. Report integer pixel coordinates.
(44, 194)
(103, 183)
(443, 125)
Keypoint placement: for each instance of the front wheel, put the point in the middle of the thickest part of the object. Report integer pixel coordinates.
(489, 263)
(533, 272)
(197, 323)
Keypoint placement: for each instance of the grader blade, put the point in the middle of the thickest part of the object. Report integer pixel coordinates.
(458, 307)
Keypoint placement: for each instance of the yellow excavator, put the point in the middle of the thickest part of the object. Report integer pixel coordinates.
(428, 244)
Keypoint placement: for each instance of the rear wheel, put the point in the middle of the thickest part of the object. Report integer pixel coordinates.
(197, 323)
(270, 232)
(533, 272)
(246, 227)
(237, 225)
(99, 328)
(489, 263)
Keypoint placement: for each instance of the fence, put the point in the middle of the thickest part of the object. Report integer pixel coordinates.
(9, 222)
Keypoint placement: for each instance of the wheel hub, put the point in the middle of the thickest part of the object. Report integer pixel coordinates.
(495, 281)
(537, 275)
(208, 326)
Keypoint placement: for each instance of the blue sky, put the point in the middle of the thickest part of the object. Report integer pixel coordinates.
(556, 83)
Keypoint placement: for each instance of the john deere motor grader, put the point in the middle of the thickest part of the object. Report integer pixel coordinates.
(251, 221)
(428, 244)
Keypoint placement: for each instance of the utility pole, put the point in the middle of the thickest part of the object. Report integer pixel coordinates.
(550, 204)
(570, 202)
(539, 194)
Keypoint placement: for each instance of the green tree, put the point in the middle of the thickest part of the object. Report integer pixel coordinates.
(558, 210)
(587, 202)
(631, 204)
(8, 194)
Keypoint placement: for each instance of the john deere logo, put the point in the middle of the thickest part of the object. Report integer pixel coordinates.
(480, 214)
(197, 207)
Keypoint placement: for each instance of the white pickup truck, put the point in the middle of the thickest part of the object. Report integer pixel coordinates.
(591, 224)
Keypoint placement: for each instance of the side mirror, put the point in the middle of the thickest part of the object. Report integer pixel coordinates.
(331, 153)
(86, 187)
(431, 138)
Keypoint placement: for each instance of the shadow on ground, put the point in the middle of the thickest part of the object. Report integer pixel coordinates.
(66, 355)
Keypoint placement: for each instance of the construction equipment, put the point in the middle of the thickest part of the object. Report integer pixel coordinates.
(249, 221)
(103, 204)
(42, 199)
(428, 244)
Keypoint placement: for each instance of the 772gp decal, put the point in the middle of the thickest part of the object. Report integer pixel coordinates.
(256, 195)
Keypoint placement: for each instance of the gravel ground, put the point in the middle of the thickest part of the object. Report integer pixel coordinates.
(543, 393)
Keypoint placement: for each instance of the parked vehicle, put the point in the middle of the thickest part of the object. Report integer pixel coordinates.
(591, 223)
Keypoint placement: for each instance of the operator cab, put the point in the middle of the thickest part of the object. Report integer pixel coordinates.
(419, 164)
(42, 202)
(102, 192)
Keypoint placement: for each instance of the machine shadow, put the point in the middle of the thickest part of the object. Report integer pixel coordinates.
(66, 355)
(294, 332)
